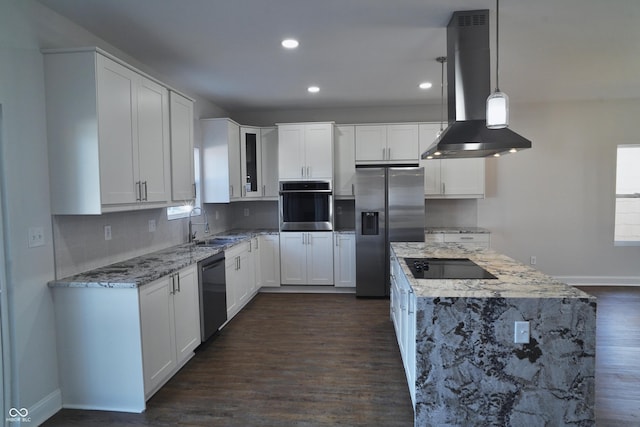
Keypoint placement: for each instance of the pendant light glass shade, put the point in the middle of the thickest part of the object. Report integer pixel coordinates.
(498, 110)
(497, 102)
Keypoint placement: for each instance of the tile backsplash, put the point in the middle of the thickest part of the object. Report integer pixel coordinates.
(79, 242)
(80, 245)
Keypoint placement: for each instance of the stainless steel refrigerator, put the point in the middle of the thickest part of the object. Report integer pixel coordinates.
(389, 207)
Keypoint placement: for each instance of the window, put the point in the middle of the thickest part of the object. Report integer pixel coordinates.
(183, 211)
(627, 226)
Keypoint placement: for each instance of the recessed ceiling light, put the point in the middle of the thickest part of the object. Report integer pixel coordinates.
(425, 85)
(313, 89)
(290, 43)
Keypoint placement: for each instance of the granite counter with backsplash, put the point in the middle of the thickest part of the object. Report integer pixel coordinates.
(138, 271)
(469, 371)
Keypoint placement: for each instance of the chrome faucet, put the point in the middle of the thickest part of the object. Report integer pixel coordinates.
(192, 234)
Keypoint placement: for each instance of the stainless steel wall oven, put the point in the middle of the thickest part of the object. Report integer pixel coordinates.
(306, 206)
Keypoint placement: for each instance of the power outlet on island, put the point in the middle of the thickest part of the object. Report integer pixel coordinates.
(152, 226)
(246, 211)
(521, 333)
(107, 232)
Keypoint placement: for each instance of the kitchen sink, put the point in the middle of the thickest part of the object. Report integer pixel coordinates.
(219, 241)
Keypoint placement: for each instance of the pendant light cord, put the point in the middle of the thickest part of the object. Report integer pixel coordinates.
(497, 46)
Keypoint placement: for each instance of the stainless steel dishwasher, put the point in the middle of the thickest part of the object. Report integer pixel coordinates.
(213, 295)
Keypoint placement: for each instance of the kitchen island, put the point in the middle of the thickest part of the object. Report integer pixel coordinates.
(456, 337)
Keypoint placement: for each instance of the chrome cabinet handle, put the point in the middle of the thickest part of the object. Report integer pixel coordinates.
(178, 275)
(302, 171)
(388, 153)
(383, 153)
(444, 189)
(145, 190)
(195, 194)
(308, 171)
(231, 190)
(173, 285)
(409, 303)
(138, 192)
(353, 189)
(337, 240)
(264, 190)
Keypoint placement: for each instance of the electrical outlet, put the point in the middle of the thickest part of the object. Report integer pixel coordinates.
(521, 333)
(107, 232)
(36, 237)
(533, 260)
(152, 225)
(246, 211)
(217, 215)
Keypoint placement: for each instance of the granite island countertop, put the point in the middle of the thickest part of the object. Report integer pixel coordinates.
(468, 369)
(141, 270)
(514, 279)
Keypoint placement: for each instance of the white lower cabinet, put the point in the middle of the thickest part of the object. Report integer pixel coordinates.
(344, 260)
(118, 346)
(306, 258)
(240, 277)
(269, 260)
(170, 326)
(403, 315)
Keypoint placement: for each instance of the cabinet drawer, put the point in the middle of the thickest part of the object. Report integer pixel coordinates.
(482, 238)
(434, 238)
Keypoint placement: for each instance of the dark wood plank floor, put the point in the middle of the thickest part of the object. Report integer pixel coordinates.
(320, 360)
(285, 360)
(617, 356)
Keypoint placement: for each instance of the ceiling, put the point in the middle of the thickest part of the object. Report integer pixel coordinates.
(365, 53)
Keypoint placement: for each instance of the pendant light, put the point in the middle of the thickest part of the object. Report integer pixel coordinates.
(497, 102)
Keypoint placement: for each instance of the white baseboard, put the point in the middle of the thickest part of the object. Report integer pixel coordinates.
(45, 408)
(308, 289)
(600, 280)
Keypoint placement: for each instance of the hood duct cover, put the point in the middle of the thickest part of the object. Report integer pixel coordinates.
(468, 74)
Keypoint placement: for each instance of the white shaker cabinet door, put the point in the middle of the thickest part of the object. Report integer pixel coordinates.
(291, 151)
(318, 138)
(319, 249)
(153, 141)
(158, 339)
(293, 258)
(182, 168)
(117, 130)
(186, 303)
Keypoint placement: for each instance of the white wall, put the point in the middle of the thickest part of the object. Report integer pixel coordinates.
(26, 27)
(557, 200)
(25, 181)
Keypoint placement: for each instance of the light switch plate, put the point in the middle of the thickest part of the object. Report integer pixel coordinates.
(152, 225)
(521, 333)
(36, 237)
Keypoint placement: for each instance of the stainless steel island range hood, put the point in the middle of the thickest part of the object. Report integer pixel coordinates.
(469, 82)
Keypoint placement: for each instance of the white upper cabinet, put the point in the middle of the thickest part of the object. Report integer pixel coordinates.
(182, 172)
(221, 160)
(108, 133)
(392, 143)
(345, 164)
(450, 178)
(305, 151)
(269, 141)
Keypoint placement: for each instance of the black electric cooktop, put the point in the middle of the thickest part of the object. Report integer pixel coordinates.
(446, 268)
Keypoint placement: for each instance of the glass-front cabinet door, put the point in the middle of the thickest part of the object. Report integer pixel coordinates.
(251, 161)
